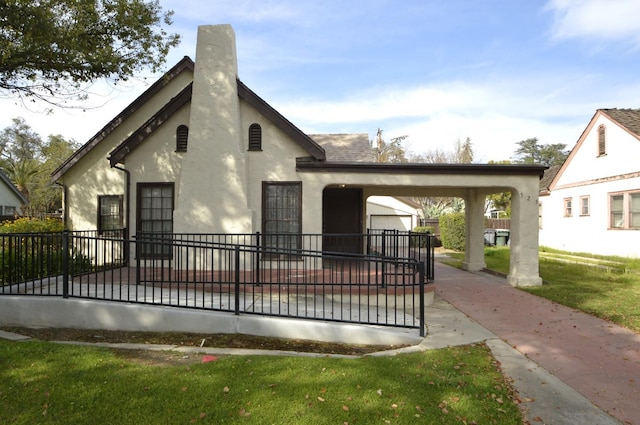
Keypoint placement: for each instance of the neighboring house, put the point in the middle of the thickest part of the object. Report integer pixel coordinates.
(592, 202)
(11, 199)
(393, 213)
(199, 152)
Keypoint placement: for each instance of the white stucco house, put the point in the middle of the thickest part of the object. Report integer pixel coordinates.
(592, 202)
(11, 199)
(200, 152)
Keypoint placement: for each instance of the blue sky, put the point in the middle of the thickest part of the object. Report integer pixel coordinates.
(496, 71)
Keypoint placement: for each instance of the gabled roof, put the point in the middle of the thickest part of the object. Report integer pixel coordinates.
(150, 126)
(185, 63)
(315, 150)
(345, 147)
(119, 153)
(628, 119)
(12, 187)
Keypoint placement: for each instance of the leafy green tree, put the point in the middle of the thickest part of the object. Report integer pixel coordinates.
(531, 152)
(51, 49)
(501, 200)
(29, 162)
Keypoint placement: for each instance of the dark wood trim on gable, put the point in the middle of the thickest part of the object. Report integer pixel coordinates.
(304, 164)
(159, 118)
(315, 150)
(185, 64)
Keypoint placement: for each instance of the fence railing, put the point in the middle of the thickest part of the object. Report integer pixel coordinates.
(383, 285)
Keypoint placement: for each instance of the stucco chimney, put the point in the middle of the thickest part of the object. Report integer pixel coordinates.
(212, 191)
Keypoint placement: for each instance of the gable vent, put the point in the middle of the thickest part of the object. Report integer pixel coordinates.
(182, 137)
(255, 137)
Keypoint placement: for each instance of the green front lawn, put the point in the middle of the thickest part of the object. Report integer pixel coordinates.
(607, 287)
(47, 383)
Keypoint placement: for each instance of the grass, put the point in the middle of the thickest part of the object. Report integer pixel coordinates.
(606, 287)
(47, 383)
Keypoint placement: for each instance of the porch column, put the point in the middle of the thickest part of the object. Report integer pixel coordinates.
(524, 249)
(474, 231)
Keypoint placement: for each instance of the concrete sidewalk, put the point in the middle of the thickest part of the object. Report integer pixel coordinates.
(566, 361)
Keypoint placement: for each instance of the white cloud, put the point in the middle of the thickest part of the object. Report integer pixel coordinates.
(596, 19)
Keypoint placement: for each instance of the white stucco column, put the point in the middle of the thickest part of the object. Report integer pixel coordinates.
(474, 229)
(524, 261)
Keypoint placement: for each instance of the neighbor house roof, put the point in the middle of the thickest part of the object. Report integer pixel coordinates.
(627, 118)
(12, 187)
(346, 147)
(547, 178)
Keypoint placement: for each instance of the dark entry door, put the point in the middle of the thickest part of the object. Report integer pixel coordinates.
(342, 219)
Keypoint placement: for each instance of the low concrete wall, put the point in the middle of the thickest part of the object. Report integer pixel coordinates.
(48, 312)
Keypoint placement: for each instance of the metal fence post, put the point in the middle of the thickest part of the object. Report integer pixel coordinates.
(421, 286)
(258, 281)
(65, 264)
(237, 281)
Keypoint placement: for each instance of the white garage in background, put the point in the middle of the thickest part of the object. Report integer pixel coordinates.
(393, 213)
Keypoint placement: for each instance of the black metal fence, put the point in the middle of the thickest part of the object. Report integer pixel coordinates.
(384, 284)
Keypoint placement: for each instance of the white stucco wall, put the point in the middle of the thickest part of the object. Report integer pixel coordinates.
(588, 174)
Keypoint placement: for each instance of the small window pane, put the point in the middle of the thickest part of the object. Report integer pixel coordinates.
(617, 211)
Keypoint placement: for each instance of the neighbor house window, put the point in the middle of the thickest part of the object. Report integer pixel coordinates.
(182, 138)
(634, 210)
(282, 215)
(255, 137)
(155, 218)
(109, 213)
(584, 205)
(602, 142)
(9, 210)
(616, 211)
(567, 207)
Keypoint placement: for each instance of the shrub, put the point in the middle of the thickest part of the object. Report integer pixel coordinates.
(417, 241)
(31, 225)
(32, 249)
(452, 231)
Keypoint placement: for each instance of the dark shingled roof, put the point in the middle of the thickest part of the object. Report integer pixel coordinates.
(628, 118)
(547, 178)
(345, 147)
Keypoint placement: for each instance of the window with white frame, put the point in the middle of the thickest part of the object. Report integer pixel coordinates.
(584, 205)
(624, 210)
(568, 211)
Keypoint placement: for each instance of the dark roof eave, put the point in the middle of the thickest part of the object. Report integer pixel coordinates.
(304, 164)
(138, 136)
(306, 142)
(185, 63)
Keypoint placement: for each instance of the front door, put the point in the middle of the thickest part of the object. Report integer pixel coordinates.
(342, 220)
